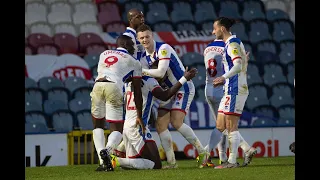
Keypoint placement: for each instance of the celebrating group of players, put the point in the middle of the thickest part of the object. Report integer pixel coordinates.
(142, 74)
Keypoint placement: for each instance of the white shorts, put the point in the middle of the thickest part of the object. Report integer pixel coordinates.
(232, 104)
(181, 101)
(134, 141)
(107, 102)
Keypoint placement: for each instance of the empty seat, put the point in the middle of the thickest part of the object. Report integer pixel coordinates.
(252, 13)
(96, 48)
(66, 42)
(207, 25)
(83, 92)
(117, 26)
(259, 30)
(200, 94)
(253, 73)
(73, 83)
(58, 93)
(85, 39)
(278, 100)
(192, 58)
(285, 122)
(200, 77)
(65, 28)
(34, 94)
(204, 11)
(51, 1)
(275, 14)
(239, 29)
(229, 9)
(29, 50)
(85, 7)
(264, 122)
(38, 39)
(266, 110)
(34, 17)
(273, 73)
(283, 30)
(32, 105)
(156, 16)
(51, 49)
(26, 31)
(29, 83)
(42, 28)
(266, 56)
(79, 18)
(106, 17)
(276, 4)
(290, 72)
(50, 106)
(85, 120)
(79, 104)
(177, 16)
(39, 7)
(186, 26)
(133, 4)
(268, 45)
(59, 17)
(287, 112)
(287, 52)
(62, 121)
(35, 128)
(47, 83)
(36, 117)
(91, 59)
(90, 27)
(163, 26)
(259, 94)
(157, 5)
(109, 7)
(61, 6)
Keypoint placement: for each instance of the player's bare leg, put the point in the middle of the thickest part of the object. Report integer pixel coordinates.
(222, 145)
(176, 119)
(162, 123)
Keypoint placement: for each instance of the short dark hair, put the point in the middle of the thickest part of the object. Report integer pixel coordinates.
(226, 22)
(143, 28)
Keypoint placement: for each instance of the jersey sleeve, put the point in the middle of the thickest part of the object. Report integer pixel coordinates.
(137, 72)
(164, 52)
(234, 51)
(152, 84)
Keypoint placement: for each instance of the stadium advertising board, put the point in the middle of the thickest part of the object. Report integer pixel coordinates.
(270, 142)
(46, 150)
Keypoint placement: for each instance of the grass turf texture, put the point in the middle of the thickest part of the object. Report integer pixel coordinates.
(260, 168)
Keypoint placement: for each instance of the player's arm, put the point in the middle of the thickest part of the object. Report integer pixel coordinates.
(136, 82)
(234, 51)
(164, 60)
(167, 94)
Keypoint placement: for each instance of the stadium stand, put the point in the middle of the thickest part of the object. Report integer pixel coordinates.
(80, 29)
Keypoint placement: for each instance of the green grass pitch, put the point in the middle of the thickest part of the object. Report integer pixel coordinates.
(279, 168)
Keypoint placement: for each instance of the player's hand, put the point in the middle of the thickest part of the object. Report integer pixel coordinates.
(218, 81)
(248, 55)
(139, 122)
(189, 74)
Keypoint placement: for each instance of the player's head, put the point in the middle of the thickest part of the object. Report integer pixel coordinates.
(126, 43)
(135, 18)
(144, 35)
(221, 27)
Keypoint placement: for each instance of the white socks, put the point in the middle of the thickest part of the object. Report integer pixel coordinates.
(214, 139)
(189, 135)
(234, 141)
(222, 146)
(166, 142)
(121, 147)
(243, 144)
(99, 141)
(113, 140)
(138, 163)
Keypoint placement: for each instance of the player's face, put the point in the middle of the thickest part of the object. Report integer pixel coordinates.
(137, 20)
(217, 30)
(145, 38)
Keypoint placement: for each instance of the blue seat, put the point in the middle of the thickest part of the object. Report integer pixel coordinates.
(163, 26)
(60, 94)
(134, 4)
(268, 45)
(264, 57)
(248, 48)
(264, 122)
(253, 74)
(287, 111)
(35, 94)
(259, 30)
(276, 14)
(73, 83)
(46, 83)
(94, 71)
(266, 110)
(92, 60)
(158, 6)
(239, 29)
(36, 128)
(230, 9)
(273, 73)
(290, 72)
(30, 83)
(286, 122)
(186, 26)
(156, 16)
(36, 117)
(282, 89)
(278, 100)
(192, 58)
(31, 105)
(62, 121)
(252, 13)
(178, 15)
(287, 51)
(79, 104)
(283, 30)
(50, 106)
(259, 94)
(181, 5)
(207, 25)
(85, 120)
(82, 93)
(204, 11)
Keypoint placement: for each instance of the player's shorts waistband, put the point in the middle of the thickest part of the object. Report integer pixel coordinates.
(103, 80)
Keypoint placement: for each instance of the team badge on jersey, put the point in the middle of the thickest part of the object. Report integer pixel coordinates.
(235, 51)
(163, 52)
